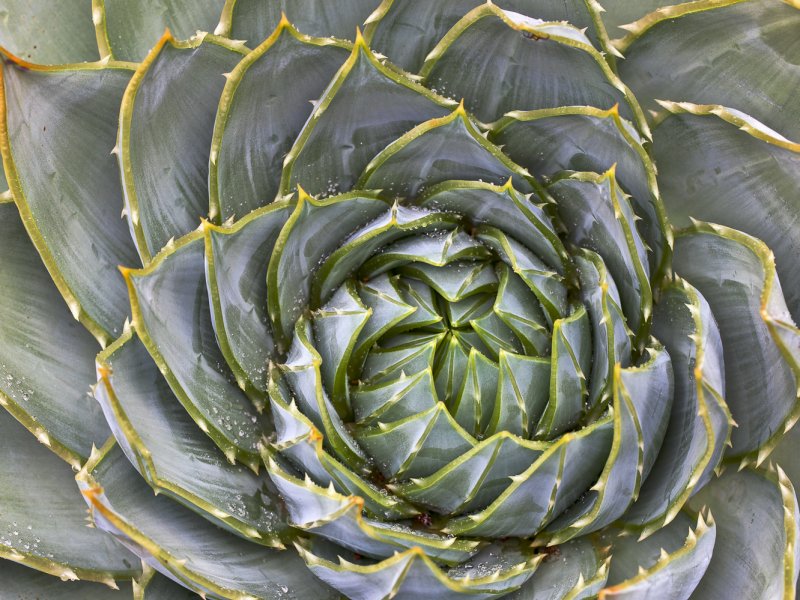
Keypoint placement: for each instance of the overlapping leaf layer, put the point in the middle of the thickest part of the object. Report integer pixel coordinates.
(397, 307)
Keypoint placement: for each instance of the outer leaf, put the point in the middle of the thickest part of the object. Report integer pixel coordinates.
(736, 274)
(236, 260)
(164, 136)
(45, 356)
(160, 439)
(618, 14)
(57, 129)
(753, 510)
(388, 27)
(669, 563)
(699, 421)
(536, 64)
(349, 127)
(264, 105)
(722, 166)
(40, 32)
(42, 523)
(738, 54)
(449, 147)
(171, 314)
(183, 545)
(253, 20)
(155, 586)
(127, 30)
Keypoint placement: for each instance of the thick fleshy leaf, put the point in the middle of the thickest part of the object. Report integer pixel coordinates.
(305, 240)
(183, 545)
(699, 421)
(475, 479)
(562, 137)
(599, 217)
(299, 441)
(152, 585)
(22, 582)
(668, 564)
(43, 33)
(389, 28)
(127, 30)
(523, 390)
(544, 490)
(492, 573)
(446, 148)
(503, 208)
(160, 439)
(172, 317)
(736, 275)
(642, 402)
(756, 554)
(610, 334)
(57, 133)
(328, 514)
(254, 20)
(617, 13)
(46, 356)
(236, 260)
(350, 126)
(416, 446)
(265, 102)
(743, 55)
(500, 61)
(43, 521)
(165, 128)
(572, 571)
(721, 166)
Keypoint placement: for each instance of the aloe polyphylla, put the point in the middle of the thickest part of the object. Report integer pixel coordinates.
(406, 299)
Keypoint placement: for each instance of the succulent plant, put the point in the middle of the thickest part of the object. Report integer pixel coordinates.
(399, 305)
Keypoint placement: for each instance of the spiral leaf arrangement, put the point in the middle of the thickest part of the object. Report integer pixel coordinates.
(444, 330)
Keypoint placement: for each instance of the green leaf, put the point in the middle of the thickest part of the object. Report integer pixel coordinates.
(171, 314)
(475, 479)
(503, 208)
(599, 217)
(127, 30)
(738, 54)
(57, 134)
(349, 127)
(46, 356)
(39, 32)
(182, 544)
(330, 515)
(165, 127)
(699, 421)
(736, 275)
(412, 574)
(43, 522)
(669, 563)
(642, 402)
(304, 241)
(563, 472)
(394, 400)
(155, 586)
(263, 108)
(563, 135)
(572, 571)
(160, 439)
(388, 29)
(523, 390)
(756, 553)
(449, 147)
(236, 260)
(721, 166)
(520, 63)
(619, 13)
(253, 20)
(416, 446)
(21, 582)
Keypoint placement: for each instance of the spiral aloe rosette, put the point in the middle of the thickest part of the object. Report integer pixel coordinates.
(436, 335)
